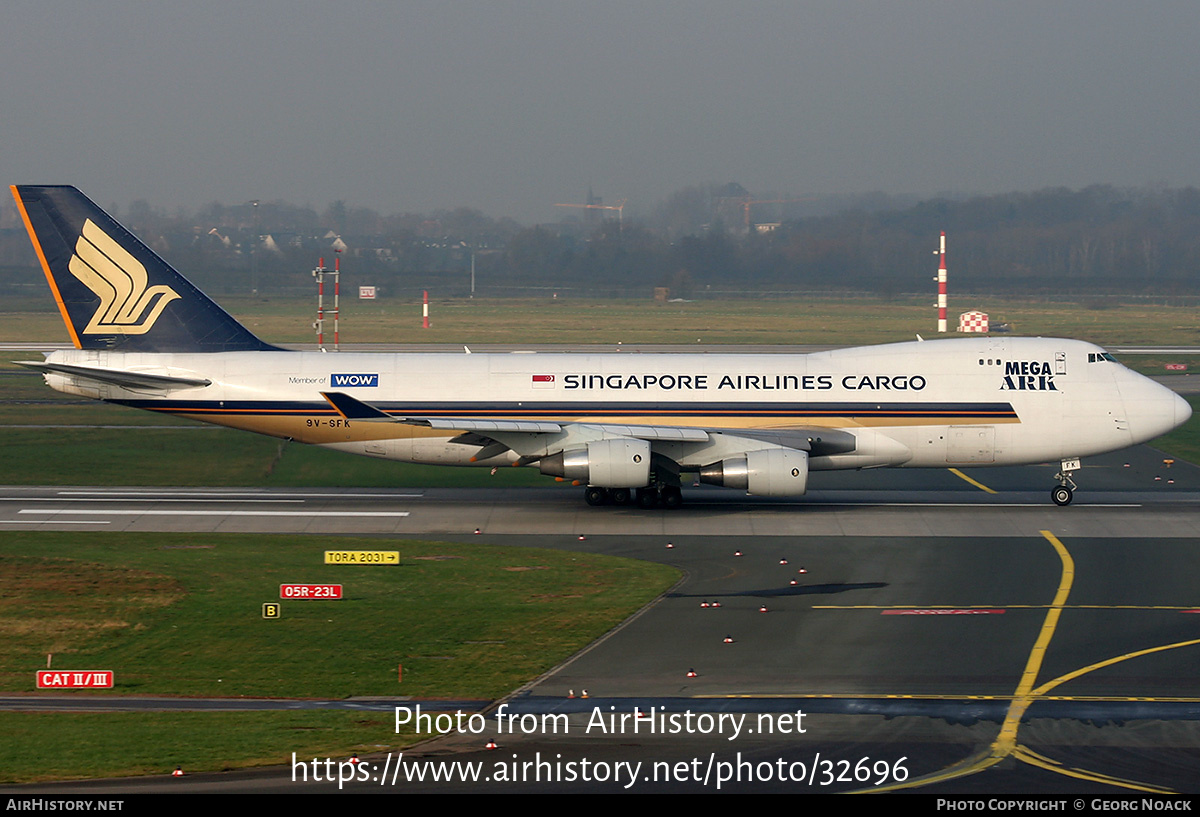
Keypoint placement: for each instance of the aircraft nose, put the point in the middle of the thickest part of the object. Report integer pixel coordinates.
(1167, 411)
(1183, 411)
(1153, 409)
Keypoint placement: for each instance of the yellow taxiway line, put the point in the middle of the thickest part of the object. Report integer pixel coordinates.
(976, 483)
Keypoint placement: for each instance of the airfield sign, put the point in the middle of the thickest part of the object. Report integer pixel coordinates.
(362, 557)
(310, 591)
(75, 679)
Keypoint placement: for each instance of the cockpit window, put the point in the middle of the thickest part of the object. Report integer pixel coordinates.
(1099, 357)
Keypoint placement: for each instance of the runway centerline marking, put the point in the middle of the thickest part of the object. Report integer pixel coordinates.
(235, 494)
(145, 499)
(58, 522)
(198, 512)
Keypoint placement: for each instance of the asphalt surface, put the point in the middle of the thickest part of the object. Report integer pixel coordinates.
(948, 635)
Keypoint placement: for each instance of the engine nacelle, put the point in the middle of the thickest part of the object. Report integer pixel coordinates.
(767, 472)
(620, 463)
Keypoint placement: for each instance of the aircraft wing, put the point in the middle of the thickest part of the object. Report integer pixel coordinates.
(118, 377)
(767, 462)
(352, 408)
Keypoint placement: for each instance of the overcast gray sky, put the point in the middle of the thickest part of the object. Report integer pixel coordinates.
(512, 106)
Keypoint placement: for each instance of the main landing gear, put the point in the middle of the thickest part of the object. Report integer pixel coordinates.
(1065, 490)
(666, 496)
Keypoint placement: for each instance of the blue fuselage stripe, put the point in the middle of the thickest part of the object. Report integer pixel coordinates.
(606, 409)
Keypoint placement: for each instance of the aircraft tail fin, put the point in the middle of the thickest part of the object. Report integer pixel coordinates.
(113, 291)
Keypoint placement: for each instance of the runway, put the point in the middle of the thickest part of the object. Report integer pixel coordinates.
(956, 628)
(1115, 494)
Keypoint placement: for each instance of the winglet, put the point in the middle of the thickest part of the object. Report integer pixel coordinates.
(354, 409)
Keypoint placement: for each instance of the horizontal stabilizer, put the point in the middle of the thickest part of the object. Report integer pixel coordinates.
(119, 377)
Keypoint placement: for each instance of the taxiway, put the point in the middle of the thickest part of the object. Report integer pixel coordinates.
(957, 620)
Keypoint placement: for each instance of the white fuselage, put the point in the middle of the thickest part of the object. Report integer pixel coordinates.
(980, 401)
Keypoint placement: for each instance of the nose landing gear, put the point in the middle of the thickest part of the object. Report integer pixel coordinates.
(1064, 492)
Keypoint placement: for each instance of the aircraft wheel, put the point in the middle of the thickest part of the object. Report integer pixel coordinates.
(647, 498)
(620, 496)
(672, 497)
(595, 496)
(1062, 495)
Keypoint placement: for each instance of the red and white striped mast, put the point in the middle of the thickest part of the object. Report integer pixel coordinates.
(337, 285)
(941, 281)
(319, 273)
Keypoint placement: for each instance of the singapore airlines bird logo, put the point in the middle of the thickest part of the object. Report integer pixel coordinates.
(120, 281)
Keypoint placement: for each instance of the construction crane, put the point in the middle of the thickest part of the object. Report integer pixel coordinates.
(619, 206)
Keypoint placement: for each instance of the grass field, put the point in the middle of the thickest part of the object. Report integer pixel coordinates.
(734, 321)
(180, 615)
(217, 457)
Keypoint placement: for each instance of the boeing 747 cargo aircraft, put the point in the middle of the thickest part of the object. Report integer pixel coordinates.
(626, 426)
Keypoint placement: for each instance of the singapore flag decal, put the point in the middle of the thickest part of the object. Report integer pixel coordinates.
(543, 381)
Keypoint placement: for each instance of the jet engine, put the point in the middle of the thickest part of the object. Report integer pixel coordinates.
(618, 463)
(767, 472)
